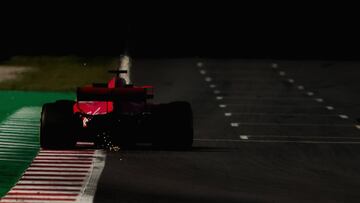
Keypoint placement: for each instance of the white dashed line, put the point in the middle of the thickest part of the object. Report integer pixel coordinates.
(330, 107)
(219, 98)
(282, 73)
(278, 141)
(274, 66)
(343, 116)
(228, 114)
(202, 72)
(234, 124)
(222, 105)
(300, 87)
(200, 64)
(216, 91)
(320, 100)
(208, 79)
(290, 80)
(212, 86)
(310, 93)
(357, 126)
(244, 137)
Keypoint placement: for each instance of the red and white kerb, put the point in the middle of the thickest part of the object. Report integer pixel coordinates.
(59, 176)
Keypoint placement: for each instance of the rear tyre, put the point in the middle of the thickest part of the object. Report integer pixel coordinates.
(176, 125)
(59, 126)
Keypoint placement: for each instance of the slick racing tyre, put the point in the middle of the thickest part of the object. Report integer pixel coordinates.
(176, 130)
(58, 126)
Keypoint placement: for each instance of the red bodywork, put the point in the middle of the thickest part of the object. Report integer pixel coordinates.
(100, 100)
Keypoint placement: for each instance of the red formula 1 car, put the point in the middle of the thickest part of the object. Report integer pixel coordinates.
(115, 114)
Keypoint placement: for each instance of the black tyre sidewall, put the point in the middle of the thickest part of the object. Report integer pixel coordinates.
(59, 126)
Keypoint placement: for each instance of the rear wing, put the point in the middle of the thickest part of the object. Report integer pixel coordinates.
(114, 94)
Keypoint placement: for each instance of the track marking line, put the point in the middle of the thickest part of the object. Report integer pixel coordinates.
(227, 114)
(244, 137)
(202, 72)
(358, 127)
(302, 137)
(219, 98)
(212, 86)
(222, 105)
(282, 73)
(283, 114)
(300, 87)
(217, 91)
(234, 125)
(310, 94)
(290, 80)
(330, 108)
(290, 124)
(343, 116)
(199, 64)
(208, 79)
(274, 65)
(320, 100)
(277, 141)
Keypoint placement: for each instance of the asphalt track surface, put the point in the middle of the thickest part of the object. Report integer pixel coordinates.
(260, 136)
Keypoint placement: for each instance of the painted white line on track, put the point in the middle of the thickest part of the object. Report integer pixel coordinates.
(208, 79)
(343, 116)
(200, 64)
(234, 124)
(330, 107)
(301, 137)
(222, 105)
(274, 65)
(244, 137)
(357, 126)
(202, 72)
(310, 93)
(212, 86)
(290, 124)
(219, 98)
(282, 73)
(227, 114)
(217, 91)
(278, 141)
(300, 87)
(282, 114)
(320, 100)
(290, 80)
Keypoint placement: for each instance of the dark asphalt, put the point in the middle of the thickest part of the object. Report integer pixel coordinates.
(278, 144)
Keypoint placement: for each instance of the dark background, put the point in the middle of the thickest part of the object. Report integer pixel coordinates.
(186, 30)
